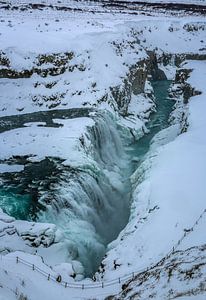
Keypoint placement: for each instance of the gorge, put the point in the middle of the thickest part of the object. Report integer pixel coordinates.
(101, 151)
(91, 206)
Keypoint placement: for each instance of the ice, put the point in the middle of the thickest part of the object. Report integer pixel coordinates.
(10, 168)
(89, 209)
(168, 192)
(81, 203)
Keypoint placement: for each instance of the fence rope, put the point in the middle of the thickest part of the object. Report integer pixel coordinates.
(119, 280)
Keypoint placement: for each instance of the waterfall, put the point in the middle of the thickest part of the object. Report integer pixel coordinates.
(92, 207)
(106, 140)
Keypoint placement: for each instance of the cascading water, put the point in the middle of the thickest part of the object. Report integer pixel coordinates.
(107, 142)
(92, 206)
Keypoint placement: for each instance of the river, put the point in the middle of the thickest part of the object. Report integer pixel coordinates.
(91, 206)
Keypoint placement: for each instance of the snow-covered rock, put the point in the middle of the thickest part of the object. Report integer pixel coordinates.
(56, 59)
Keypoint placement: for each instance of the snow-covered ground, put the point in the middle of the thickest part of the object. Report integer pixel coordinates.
(169, 191)
(62, 60)
(171, 203)
(200, 2)
(39, 142)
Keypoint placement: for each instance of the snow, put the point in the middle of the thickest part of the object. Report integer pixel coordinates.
(38, 286)
(168, 188)
(92, 48)
(91, 43)
(40, 142)
(10, 168)
(172, 189)
(199, 2)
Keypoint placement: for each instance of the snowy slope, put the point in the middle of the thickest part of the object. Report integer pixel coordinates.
(170, 197)
(97, 54)
(150, 7)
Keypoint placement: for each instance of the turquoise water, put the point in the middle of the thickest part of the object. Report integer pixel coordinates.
(158, 120)
(90, 210)
(19, 192)
(15, 204)
(21, 205)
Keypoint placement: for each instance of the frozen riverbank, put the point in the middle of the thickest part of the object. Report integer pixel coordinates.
(59, 69)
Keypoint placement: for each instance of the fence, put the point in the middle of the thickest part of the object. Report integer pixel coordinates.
(119, 280)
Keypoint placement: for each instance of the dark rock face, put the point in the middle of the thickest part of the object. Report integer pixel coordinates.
(181, 77)
(188, 92)
(155, 72)
(138, 78)
(60, 62)
(178, 59)
(195, 27)
(54, 64)
(135, 81)
(4, 61)
(158, 75)
(13, 74)
(130, 7)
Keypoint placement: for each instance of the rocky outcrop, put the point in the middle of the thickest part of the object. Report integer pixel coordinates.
(187, 91)
(155, 72)
(177, 59)
(181, 91)
(192, 27)
(135, 81)
(4, 61)
(131, 7)
(45, 65)
(24, 234)
(57, 59)
(188, 56)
